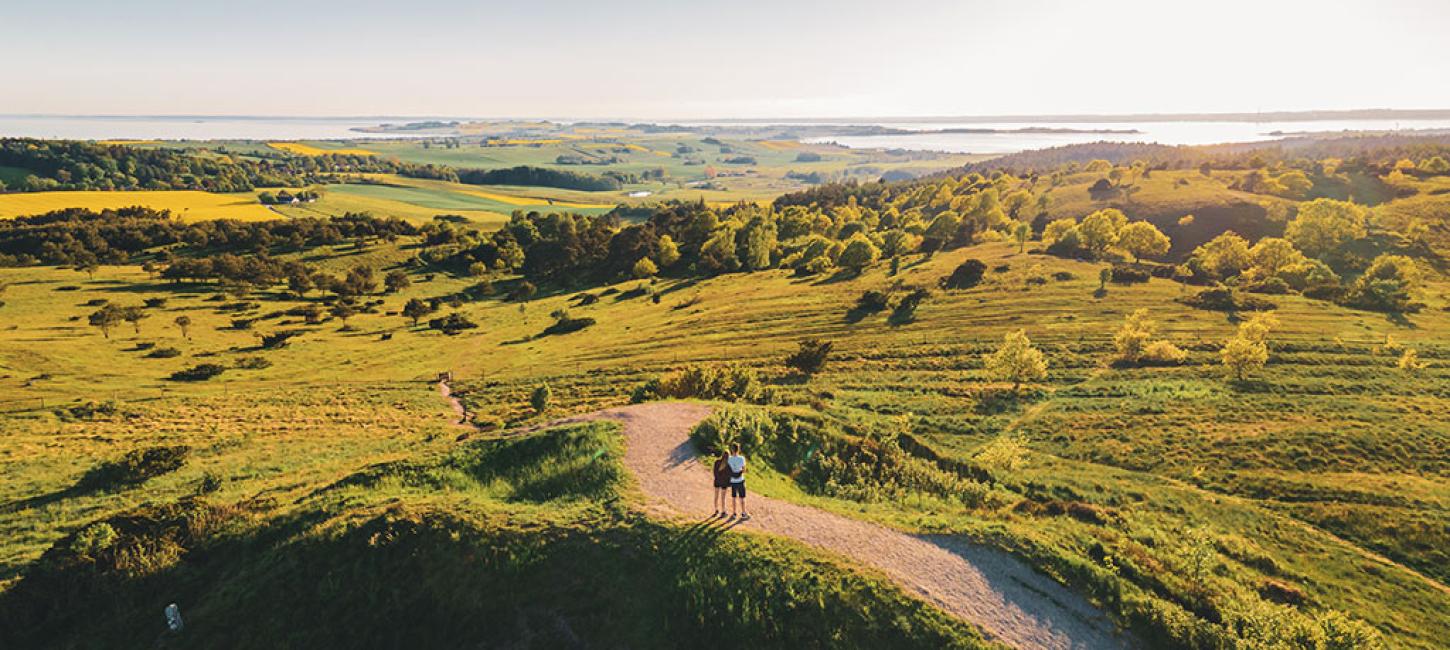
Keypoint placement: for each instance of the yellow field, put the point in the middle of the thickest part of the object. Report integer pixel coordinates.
(459, 188)
(528, 200)
(779, 145)
(309, 150)
(189, 205)
(128, 142)
(524, 143)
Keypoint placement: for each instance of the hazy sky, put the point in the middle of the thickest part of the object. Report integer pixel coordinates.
(726, 58)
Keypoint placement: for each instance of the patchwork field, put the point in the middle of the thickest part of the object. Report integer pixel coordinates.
(188, 205)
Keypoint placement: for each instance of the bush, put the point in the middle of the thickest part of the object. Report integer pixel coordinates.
(201, 372)
(1225, 299)
(154, 303)
(967, 275)
(278, 339)
(253, 363)
(93, 540)
(729, 383)
(522, 291)
(135, 467)
(905, 311)
(1125, 274)
(1272, 285)
(1163, 353)
(452, 324)
(811, 357)
(564, 323)
(89, 411)
(163, 353)
(873, 301)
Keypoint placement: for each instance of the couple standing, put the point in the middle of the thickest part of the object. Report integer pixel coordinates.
(730, 475)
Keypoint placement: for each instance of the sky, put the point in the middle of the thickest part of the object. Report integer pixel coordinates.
(682, 59)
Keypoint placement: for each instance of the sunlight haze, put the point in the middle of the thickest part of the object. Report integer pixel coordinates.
(669, 60)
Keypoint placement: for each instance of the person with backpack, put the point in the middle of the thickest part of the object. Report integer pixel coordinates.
(722, 482)
(736, 462)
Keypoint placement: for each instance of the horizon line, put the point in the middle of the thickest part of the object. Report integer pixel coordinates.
(1278, 115)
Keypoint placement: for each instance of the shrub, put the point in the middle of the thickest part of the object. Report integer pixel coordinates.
(89, 411)
(278, 339)
(967, 275)
(905, 311)
(163, 353)
(729, 383)
(135, 467)
(522, 291)
(452, 324)
(1126, 274)
(154, 303)
(540, 398)
(1223, 298)
(873, 301)
(201, 372)
(93, 539)
(811, 357)
(253, 363)
(1163, 353)
(564, 323)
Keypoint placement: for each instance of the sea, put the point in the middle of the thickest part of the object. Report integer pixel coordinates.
(933, 135)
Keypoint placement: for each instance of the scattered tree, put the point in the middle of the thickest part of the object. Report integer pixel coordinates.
(1323, 225)
(134, 316)
(1143, 239)
(396, 280)
(1016, 361)
(105, 318)
(416, 309)
(1248, 350)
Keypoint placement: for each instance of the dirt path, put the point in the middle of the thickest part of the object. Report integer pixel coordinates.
(460, 414)
(1009, 601)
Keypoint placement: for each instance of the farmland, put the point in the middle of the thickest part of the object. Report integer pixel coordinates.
(186, 204)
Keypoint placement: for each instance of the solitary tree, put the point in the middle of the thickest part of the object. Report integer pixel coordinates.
(415, 309)
(105, 318)
(811, 357)
(183, 322)
(1021, 234)
(540, 398)
(1016, 361)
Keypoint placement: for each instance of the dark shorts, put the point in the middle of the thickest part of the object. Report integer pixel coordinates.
(720, 485)
(737, 489)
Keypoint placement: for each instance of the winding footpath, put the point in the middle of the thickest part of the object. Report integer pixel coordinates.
(1006, 599)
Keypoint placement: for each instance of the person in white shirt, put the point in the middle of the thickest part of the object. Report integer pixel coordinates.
(736, 461)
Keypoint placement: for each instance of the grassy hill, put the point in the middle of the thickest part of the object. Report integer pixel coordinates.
(1197, 509)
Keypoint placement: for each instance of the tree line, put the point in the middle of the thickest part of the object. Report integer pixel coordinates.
(76, 165)
(82, 237)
